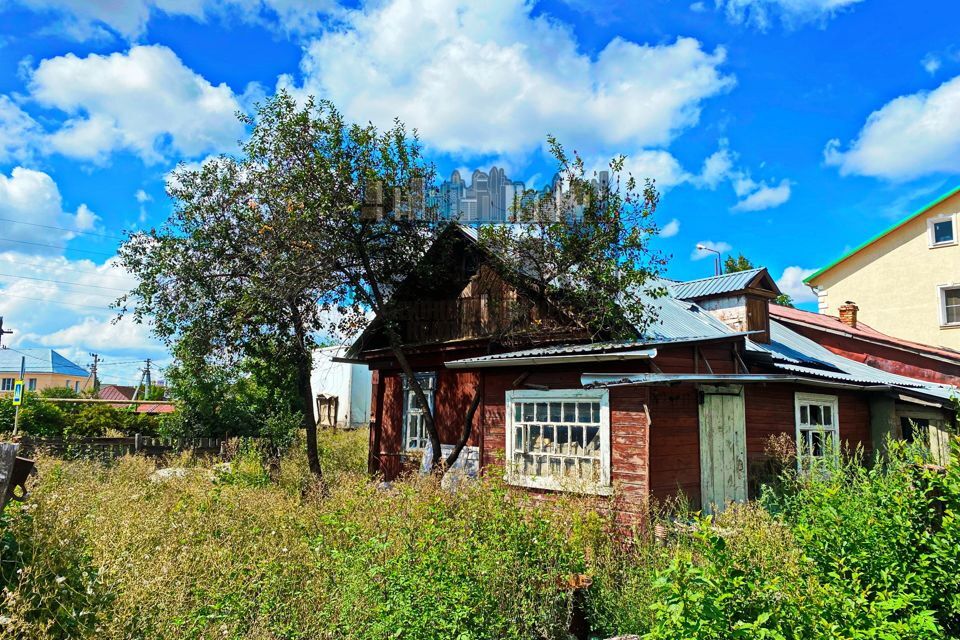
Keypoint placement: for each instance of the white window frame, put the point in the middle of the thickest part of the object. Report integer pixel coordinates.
(942, 304)
(833, 402)
(429, 389)
(604, 485)
(7, 384)
(948, 217)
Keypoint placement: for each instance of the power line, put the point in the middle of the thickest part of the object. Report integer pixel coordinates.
(76, 284)
(48, 226)
(94, 272)
(57, 246)
(65, 304)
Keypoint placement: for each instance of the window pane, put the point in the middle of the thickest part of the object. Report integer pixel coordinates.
(516, 412)
(518, 438)
(569, 412)
(584, 413)
(536, 439)
(804, 415)
(951, 300)
(816, 446)
(527, 411)
(541, 412)
(593, 441)
(816, 415)
(596, 412)
(555, 411)
(943, 231)
(827, 415)
(549, 438)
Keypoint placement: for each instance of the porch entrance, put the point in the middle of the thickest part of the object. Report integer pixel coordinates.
(723, 447)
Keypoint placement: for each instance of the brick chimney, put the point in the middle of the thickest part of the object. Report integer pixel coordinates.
(848, 313)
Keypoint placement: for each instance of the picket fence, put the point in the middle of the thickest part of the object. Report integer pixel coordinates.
(109, 448)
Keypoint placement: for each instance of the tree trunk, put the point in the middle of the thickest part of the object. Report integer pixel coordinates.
(401, 357)
(309, 421)
(304, 368)
(467, 429)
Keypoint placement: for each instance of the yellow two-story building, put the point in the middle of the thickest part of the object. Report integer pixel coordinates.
(45, 368)
(905, 281)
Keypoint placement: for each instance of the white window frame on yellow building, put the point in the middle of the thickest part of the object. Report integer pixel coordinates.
(942, 303)
(931, 238)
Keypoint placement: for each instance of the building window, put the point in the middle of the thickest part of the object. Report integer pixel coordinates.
(67, 385)
(941, 231)
(817, 426)
(32, 384)
(7, 384)
(415, 436)
(559, 439)
(76, 386)
(949, 305)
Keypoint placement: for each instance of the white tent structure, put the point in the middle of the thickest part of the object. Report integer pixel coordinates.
(349, 383)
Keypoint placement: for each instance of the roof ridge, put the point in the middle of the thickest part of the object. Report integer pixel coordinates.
(722, 275)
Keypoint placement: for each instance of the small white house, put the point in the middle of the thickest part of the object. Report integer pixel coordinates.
(350, 383)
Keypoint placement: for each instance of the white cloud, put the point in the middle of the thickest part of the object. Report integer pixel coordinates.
(792, 13)
(18, 131)
(657, 165)
(670, 229)
(52, 301)
(764, 196)
(492, 78)
(752, 195)
(931, 63)
(97, 19)
(791, 283)
(32, 196)
(716, 168)
(697, 254)
(142, 196)
(145, 101)
(910, 136)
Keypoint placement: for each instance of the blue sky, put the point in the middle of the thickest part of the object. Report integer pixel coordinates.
(789, 130)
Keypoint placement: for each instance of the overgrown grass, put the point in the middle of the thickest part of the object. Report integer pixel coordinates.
(104, 552)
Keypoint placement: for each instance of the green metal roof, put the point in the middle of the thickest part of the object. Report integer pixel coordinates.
(809, 279)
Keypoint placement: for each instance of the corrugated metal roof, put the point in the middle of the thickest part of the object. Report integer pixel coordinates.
(726, 283)
(582, 349)
(798, 354)
(680, 319)
(39, 361)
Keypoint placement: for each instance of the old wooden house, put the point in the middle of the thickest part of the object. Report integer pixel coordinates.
(686, 406)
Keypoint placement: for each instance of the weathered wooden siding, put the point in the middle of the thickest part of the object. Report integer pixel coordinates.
(629, 436)
(675, 438)
(452, 398)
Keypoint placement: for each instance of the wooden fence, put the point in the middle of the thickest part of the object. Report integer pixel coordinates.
(109, 448)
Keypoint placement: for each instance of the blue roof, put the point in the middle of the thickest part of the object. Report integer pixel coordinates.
(39, 361)
(797, 354)
(715, 285)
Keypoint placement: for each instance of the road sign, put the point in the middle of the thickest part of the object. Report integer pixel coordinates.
(17, 393)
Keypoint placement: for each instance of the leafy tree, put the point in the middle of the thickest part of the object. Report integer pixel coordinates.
(217, 398)
(740, 263)
(233, 272)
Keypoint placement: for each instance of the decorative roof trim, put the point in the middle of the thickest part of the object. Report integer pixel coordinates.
(919, 212)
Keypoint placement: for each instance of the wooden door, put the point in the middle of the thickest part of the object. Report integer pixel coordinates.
(723, 447)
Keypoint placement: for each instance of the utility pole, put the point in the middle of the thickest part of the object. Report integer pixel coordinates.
(93, 370)
(16, 415)
(2, 331)
(148, 383)
(136, 391)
